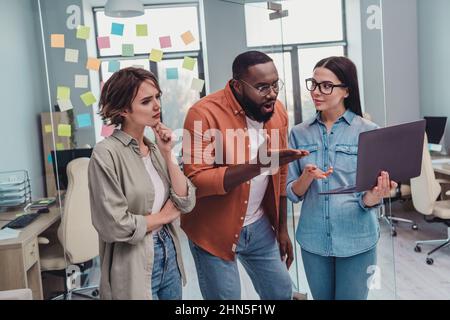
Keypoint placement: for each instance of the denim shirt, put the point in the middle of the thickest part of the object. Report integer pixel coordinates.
(332, 225)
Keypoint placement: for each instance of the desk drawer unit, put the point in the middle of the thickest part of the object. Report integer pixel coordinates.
(30, 253)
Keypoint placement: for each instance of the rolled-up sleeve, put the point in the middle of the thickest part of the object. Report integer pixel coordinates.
(109, 209)
(187, 203)
(198, 165)
(293, 173)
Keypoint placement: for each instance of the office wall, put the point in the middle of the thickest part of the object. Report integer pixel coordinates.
(62, 73)
(23, 90)
(434, 52)
(401, 60)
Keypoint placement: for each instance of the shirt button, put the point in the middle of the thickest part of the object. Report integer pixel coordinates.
(328, 234)
(248, 182)
(245, 201)
(326, 182)
(236, 236)
(328, 218)
(242, 218)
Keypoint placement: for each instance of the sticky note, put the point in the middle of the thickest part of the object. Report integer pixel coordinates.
(88, 98)
(57, 41)
(189, 63)
(60, 146)
(84, 120)
(197, 84)
(156, 55)
(71, 55)
(48, 128)
(93, 64)
(107, 130)
(83, 32)
(117, 29)
(172, 73)
(49, 158)
(127, 50)
(81, 81)
(64, 130)
(65, 105)
(165, 42)
(103, 42)
(113, 66)
(187, 37)
(63, 93)
(141, 30)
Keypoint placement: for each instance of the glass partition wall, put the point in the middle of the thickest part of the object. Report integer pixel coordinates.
(190, 46)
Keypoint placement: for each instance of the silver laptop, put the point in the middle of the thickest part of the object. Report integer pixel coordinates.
(397, 150)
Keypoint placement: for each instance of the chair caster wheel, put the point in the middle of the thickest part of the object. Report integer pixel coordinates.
(415, 227)
(393, 233)
(95, 293)
(430, 261)
(417, 249)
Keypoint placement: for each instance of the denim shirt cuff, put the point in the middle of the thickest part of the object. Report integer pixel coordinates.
(291, 194)
(363, 205)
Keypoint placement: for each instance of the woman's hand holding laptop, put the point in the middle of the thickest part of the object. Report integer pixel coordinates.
(380, 191)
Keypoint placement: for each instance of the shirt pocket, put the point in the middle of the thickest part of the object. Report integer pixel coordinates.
(346, 158)
(312, 158)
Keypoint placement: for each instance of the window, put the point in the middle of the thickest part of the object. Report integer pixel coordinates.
(175, 80)
(313, 30)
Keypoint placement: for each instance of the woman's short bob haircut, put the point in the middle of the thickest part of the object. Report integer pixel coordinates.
(119, 92)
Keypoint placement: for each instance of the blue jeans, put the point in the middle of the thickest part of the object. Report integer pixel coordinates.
(166, 278)
(259, 253)
(334, 278)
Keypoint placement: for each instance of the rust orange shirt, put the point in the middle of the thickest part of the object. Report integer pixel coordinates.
(216, 221)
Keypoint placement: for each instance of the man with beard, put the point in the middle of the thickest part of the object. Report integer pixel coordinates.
(241, 210)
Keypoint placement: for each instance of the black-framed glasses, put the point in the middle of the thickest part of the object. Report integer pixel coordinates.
(265, 89)
(325, 87)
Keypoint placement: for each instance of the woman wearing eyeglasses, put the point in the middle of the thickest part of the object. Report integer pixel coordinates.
(338, 234)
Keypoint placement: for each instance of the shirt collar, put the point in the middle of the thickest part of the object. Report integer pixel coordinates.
(347, 117)
(126, 139)
(235, 105)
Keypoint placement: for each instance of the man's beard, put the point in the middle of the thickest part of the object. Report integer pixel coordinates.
(254, 110)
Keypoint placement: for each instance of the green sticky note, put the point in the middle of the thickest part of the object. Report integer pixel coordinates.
(127, 50)
(88, 98)
(83, 32)
(189, 63)
(63, 93)
(60, 146)
(64, 130)
(156, 55)
(141, 30)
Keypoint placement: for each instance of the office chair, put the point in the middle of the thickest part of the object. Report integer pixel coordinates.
(401, 193)
(425, 191)
(16, 294)
(78, 240)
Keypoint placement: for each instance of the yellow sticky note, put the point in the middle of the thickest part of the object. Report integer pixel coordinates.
(60, 146)
(88, 98)
(156, 55)
(48, 128)
(187, 37)
(63, 93)
(57, 41)
(141, 30)
(93, 64)
(64, 130)
(83, 32)
(189, 63)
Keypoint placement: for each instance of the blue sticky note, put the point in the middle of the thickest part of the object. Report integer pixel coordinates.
(49, 158)
(117, 29)
(172, 73)
(113, 66)
(84, 120)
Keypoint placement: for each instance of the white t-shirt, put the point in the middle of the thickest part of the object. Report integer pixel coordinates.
(258, 184)
(158, 186)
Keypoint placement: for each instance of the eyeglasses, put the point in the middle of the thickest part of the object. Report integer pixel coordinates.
(265, 89)
(325, 87)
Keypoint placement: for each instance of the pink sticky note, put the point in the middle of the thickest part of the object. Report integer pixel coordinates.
(103, 43)
(165, 42)
(107, 131)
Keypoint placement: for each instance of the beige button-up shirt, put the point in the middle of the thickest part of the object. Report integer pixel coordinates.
(122, 194)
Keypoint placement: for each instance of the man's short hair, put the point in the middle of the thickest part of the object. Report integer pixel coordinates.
(246, 60)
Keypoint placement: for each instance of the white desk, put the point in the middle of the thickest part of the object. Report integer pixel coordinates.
(19, 257)
(441, 165)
